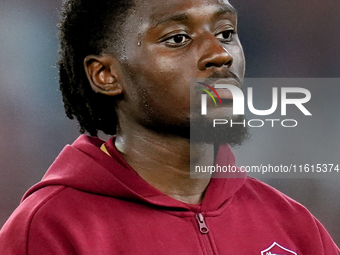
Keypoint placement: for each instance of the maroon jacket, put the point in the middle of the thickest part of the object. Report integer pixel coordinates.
(91, 204)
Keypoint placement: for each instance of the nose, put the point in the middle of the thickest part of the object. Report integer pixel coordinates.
(214, 55)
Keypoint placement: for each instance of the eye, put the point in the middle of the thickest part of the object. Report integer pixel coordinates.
(226, 36)
(177, 40)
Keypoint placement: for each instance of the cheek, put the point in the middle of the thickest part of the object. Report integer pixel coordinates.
(166, 68)
(169, 94)
(167, 75)
(239, 60)
(163, 78)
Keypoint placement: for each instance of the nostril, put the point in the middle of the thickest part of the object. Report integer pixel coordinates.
(209, 65)
(216, 57)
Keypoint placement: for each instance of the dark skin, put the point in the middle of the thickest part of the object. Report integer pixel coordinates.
(166, 44)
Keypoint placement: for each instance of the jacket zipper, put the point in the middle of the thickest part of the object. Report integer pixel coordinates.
(201, 223)
(204, 232)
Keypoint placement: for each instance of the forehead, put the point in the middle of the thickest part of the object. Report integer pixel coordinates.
(156, 11)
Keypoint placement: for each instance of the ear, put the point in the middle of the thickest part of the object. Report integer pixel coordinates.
(102, 73)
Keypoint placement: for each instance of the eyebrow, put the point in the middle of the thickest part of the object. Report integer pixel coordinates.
(228, 9)
(168, 19)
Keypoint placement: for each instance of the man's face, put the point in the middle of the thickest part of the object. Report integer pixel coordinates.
(166, 43)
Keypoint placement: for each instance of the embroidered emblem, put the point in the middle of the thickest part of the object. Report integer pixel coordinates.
(276, 249)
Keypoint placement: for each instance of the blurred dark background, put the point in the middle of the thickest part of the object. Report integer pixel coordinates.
(281, 38)
(297, 39)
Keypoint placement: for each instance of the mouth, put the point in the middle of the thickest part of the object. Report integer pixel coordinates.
(227, 102)
(221, 93)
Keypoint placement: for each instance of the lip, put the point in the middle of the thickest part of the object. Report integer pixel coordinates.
(223, 95)
(229, 81)
(226, 93)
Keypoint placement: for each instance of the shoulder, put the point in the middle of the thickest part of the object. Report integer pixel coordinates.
(36, 225)
(269, 206)
(265, 194)
(273, 203)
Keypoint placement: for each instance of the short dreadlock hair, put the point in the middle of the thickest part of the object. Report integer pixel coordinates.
(88, 27)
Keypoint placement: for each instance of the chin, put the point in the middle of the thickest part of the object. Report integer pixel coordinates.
(202, 130)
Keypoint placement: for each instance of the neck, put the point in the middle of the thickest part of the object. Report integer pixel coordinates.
(164, 162)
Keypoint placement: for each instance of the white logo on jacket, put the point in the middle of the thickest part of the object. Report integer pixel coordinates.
(276, 249)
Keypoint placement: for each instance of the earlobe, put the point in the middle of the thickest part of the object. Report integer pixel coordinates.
(101, 75)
